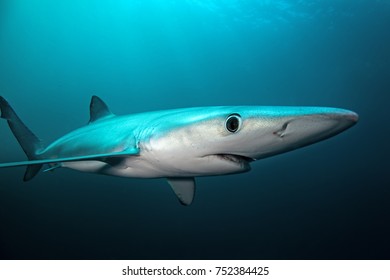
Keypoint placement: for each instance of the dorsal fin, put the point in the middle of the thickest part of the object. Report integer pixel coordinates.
(98, 109)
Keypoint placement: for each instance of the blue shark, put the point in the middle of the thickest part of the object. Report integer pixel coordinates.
(178, 144)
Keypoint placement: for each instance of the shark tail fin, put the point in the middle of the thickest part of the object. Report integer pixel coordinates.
(30, 143)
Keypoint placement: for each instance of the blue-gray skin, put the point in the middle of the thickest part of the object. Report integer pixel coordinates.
(178, 144)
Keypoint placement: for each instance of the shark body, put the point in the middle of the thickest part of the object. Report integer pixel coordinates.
(178, 144)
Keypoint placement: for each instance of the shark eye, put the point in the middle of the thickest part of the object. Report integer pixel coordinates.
(233, 123)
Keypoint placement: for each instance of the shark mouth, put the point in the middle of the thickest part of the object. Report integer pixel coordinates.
(234, 158)
(229, 163)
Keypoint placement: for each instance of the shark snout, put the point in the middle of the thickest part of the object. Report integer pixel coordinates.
(299, 127)
(307, 129)
(349, 116)
(337, 120)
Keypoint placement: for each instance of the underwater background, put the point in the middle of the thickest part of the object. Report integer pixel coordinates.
(326, 201)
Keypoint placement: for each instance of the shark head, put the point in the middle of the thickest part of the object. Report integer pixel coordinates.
(224, 140)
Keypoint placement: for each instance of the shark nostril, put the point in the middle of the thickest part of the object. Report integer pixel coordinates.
(281, 131)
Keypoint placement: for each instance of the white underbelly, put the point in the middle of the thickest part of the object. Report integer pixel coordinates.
(154, 167)
(132, 169)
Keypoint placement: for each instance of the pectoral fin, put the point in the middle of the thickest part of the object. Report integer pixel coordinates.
(184, 189)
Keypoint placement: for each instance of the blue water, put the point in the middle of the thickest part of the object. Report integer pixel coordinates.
(326, 201)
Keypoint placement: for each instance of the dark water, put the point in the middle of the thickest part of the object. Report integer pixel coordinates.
(326, 201)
